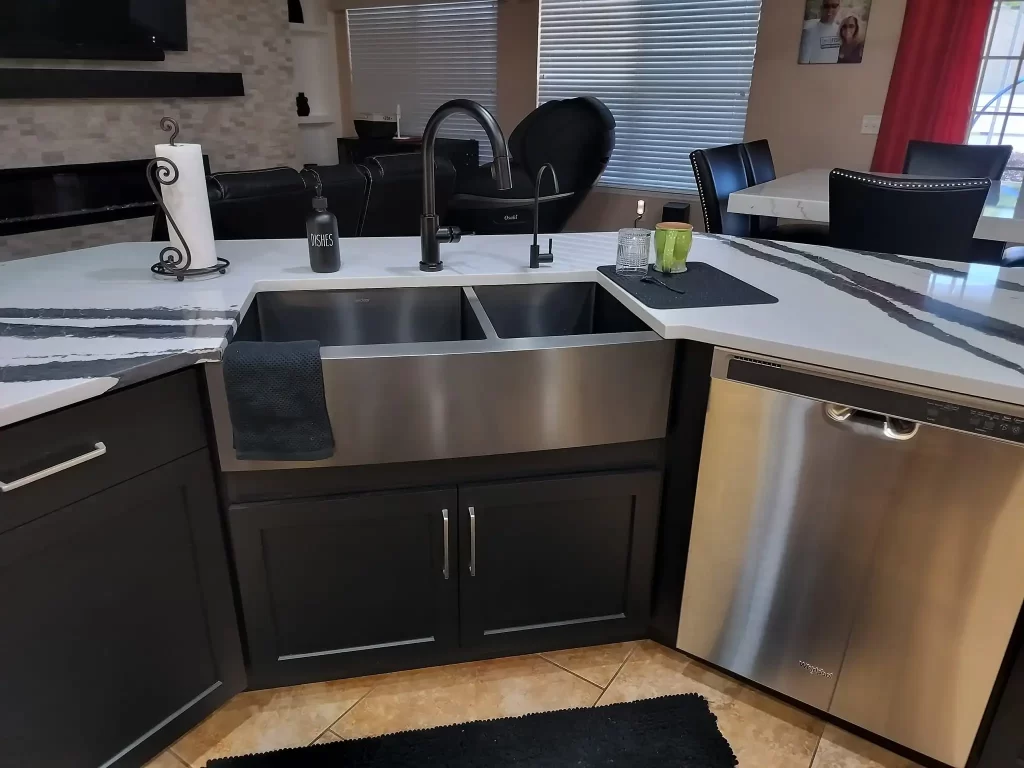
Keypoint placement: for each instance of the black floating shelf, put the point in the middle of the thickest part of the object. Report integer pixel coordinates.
(117, 84)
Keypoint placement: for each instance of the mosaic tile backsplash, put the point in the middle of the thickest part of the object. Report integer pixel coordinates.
(258, 130)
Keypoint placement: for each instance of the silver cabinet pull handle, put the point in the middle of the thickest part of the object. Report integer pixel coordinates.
(472, 541)
(21, 482)
(444, 516)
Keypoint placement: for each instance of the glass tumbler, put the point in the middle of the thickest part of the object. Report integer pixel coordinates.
(634, 252)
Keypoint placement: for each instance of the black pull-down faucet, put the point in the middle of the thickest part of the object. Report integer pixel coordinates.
(431, 233)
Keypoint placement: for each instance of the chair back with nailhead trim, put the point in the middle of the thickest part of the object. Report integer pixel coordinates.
(926, 217)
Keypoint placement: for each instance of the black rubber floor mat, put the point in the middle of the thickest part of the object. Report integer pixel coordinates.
(674, 732)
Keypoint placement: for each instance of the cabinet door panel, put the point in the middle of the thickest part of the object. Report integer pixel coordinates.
(117, 617)
(327, 582)
(560, 560)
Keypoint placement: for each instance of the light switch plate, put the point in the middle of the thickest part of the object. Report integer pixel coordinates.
(871, 125)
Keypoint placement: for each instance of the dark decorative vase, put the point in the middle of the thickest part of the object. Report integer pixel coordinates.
(302, 105)
(295, 12)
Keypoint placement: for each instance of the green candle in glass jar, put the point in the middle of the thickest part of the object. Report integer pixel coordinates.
(672, 242)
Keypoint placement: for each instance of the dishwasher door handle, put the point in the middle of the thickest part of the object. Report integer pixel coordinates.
(888, 427)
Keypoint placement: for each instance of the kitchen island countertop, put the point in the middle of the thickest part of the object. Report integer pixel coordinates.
(74, 325)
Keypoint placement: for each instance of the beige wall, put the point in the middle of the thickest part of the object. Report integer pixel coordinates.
(812, 114)
(518, 25)
(606, 210)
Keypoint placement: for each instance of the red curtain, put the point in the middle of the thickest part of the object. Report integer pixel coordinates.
(934, 77)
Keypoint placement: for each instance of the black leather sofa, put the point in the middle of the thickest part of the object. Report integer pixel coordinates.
(382, 197)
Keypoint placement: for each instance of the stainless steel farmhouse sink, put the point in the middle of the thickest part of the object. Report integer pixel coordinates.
(415, 374)
(555, 309)
(351, 318)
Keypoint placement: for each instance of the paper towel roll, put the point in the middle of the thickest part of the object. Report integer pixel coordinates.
(188, 203)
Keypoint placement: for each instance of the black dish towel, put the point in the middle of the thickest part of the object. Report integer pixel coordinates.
(276, 400)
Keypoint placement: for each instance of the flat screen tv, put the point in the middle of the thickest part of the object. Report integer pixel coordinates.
(92, 29)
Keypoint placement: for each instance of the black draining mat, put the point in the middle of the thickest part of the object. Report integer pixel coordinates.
(704, 286)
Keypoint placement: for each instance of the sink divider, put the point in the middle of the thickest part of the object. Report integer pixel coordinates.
(481, 315)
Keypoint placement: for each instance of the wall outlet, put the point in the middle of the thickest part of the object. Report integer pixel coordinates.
(871, 125)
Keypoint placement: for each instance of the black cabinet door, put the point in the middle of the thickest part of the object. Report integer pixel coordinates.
(119, 629)
(348, 585)
(1004, 745)
(558, 562)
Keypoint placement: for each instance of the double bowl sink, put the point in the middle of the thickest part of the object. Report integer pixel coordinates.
(414, 374)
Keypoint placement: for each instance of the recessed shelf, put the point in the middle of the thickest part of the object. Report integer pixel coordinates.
(316, 119)
(308, 29)
(117, 84)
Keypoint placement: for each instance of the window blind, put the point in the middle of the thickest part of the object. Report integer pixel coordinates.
(675, 73)
(422, 55)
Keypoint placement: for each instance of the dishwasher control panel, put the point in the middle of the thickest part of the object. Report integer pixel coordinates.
(974, 420)
(886, 402)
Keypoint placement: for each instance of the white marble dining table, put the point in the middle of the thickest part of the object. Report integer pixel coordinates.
(804, 196)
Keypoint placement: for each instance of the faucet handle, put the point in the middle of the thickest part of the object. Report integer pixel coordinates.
(449, 234)
(537, 258)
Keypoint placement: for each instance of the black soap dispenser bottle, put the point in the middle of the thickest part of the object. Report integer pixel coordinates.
(322, 235)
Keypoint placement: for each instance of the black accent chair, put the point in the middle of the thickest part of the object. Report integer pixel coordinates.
(720, 171)
(956, 161)
(576, 136)
(394, 201)
(928, 218)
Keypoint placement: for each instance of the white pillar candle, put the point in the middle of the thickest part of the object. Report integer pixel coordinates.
(188, 203)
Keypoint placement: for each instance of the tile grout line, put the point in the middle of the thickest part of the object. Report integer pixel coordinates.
(175, 756)
(335, 722)
(574, 674)
(615, 676)
(817, 746)
(181, 759)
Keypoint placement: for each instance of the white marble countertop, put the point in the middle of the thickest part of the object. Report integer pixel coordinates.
(77, 324)
(804, 195)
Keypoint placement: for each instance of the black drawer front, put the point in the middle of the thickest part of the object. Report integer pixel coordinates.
(141, 428)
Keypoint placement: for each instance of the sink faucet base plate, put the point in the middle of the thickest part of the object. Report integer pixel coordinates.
(431, 267)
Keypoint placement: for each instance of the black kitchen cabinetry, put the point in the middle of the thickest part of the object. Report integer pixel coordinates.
(556, 562)
(363, 583)
(344, 586)
(119, 629)
(1004, 746)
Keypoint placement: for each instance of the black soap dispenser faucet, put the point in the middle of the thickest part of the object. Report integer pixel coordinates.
(322, 233)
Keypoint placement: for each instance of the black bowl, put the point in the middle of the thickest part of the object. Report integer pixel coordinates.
(375, 129)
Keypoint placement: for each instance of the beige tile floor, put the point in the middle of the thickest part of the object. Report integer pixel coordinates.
(763, 732)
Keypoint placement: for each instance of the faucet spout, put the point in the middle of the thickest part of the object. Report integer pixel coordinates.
(431, 233)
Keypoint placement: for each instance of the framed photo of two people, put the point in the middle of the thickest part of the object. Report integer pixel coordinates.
(834, 31)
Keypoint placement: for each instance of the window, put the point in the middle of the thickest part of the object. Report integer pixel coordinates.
(675, 73)
(420, 56)
(998, 115)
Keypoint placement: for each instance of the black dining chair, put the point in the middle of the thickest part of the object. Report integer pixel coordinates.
(961, 161)
(930, 218)
(762, 164)
(956, 161)
(719, 172)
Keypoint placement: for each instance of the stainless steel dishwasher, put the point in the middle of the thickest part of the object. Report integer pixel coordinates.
(857, 545)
